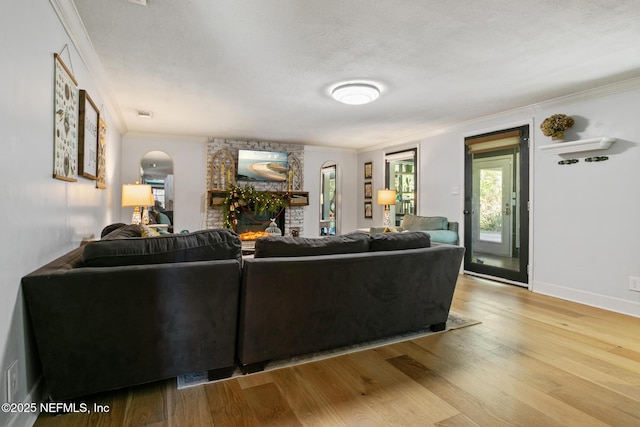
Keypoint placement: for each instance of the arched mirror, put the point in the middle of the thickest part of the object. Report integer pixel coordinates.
(156, 169)
(329, 199)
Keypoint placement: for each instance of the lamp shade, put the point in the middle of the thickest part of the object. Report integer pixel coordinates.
(386, 197)
(137, 195)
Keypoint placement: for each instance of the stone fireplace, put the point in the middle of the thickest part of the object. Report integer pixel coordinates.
(291, 219)
(252, 221)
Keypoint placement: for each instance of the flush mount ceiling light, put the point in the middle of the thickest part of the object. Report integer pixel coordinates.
(355, 93)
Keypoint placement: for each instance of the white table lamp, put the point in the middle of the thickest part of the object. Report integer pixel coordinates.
(137, 195)
(387, 198)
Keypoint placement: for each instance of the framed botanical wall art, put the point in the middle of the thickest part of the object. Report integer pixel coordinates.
(65, 123)
(368, 210)
(87, 137)
(102, 155)
(368, 190)
(368, 170)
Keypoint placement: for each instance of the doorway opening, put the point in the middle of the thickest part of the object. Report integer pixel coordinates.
(328, 200)
(401, 175)
(156, 169)
(497, 205)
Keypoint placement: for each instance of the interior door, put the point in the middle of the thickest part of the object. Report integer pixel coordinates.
(492, 205)
(496, 222)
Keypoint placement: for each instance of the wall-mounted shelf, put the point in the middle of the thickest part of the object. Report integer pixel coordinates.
(581, 145)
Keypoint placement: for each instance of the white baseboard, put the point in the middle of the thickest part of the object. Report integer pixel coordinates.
(588, 298)
(28, 419)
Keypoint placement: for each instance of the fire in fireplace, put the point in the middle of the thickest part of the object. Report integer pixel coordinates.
(251, 225)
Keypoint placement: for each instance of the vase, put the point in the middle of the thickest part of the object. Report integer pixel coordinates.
(558, 137)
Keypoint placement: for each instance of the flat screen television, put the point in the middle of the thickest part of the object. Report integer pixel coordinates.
(262, 165)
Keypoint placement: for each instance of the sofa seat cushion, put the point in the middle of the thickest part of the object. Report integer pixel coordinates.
(443, 236)
(398, 241)
(205, 245)
(279, 246)
(418, 223)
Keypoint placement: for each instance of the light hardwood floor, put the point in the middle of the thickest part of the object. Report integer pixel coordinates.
(534, 361)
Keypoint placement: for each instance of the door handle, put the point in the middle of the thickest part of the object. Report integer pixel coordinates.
(466, 212)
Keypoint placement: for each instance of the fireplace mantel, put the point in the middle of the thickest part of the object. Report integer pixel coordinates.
(296, 198)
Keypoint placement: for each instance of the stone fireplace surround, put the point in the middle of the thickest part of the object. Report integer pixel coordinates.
(294, 215)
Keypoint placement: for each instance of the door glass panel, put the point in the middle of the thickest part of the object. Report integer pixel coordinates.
(490, 209)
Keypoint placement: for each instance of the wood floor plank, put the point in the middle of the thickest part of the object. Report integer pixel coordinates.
(189, 407)
(455, 396)
(269, 407)
(228, 406)
(112, 410)
(147, 406)
(503, 369)
(346, 402)
(378, 377)
(310, 406)
(533, 361)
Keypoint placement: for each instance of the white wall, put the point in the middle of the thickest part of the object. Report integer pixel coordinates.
(189, 174)
(586, 235)
(190, 163)
(314, 158)
(42, 218)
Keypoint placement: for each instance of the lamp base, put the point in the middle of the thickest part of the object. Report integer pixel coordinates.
(386, 219)
(145, 215)
(136, 218)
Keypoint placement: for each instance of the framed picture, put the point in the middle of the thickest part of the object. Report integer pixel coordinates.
(368, 170)
(87, 137)
(65, 123)
(368, 190)
(368, 210)
(102, 154)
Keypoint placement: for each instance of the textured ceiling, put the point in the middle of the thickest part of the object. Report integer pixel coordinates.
(263, 68)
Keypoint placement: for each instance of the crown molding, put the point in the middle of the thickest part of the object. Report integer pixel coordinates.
(528, 110)
(75, 29)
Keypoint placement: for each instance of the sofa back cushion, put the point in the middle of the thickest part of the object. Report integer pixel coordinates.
(417, 223)
(398, 241)
(202, 245)
(279, 246)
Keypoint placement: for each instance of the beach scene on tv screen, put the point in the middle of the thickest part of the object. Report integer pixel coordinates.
(262, 165)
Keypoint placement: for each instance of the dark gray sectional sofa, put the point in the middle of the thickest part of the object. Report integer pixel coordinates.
(305, 295)
(120, 312)
(128, 310)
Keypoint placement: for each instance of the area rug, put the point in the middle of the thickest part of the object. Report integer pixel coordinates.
(454, 321)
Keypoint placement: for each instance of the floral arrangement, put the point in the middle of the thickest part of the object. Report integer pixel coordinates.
(555, 125)
(247, 198)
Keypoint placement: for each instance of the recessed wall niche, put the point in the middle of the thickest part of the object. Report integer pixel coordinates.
(294, 215)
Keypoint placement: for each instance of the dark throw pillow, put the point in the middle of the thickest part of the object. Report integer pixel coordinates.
(278, 246)
(123, 232)
(110, 228)
(396, 241)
